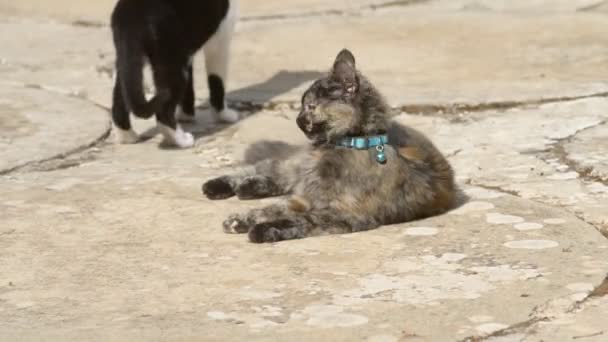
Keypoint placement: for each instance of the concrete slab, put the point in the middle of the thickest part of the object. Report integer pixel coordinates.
(430, 58)
(117, 243)
(158, 261)
(436, 62)
(36, 125)
(98, 12)
(58, 57)
(584, 322)
(538, 6)
(65, 10)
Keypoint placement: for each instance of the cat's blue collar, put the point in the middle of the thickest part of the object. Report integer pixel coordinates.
(365, 143)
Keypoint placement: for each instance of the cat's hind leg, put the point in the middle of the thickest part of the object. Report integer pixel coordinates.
(185, 111)
(283, 223)
(120, 117)
(171, 79)
(217, 57)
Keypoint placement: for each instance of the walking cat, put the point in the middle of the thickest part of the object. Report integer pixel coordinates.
(361, 171)
(166, 34)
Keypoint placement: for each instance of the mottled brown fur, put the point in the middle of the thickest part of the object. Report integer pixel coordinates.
(339, 190)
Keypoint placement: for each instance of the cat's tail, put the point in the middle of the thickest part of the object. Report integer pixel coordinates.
(130, 65)
(266, 149)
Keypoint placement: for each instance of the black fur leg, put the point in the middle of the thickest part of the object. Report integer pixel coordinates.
(120, 112)
(170, 79)
(166, 115)
(254, 187)
(187, 102)
(218, 188)
(216, 92)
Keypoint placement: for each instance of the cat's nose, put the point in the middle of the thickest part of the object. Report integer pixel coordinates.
(303, 122)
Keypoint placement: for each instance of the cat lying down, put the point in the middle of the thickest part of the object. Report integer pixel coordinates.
(361, 171)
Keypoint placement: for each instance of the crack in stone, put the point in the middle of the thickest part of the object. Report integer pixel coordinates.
(8, 232)
(88, 23)
(58, 161)
(449, 109)
(603, 230)
(585, 172)
(453, 111)
(459, 108)
(398, 3)
(588, 335)
(61, 161)
(333, 12)
(512, 329)
(599, 291)
(454, 154)
(493, 188)
(592, 7)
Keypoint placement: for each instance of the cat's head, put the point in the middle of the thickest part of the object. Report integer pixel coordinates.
(344, 103)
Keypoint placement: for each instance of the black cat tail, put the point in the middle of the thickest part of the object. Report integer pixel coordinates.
(130, 66)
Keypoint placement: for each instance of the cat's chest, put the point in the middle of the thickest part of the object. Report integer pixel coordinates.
(350, 165)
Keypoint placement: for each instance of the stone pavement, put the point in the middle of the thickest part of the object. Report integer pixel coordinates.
(113, 242)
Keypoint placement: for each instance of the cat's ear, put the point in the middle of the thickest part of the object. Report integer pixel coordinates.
(345, 56)
(344, 71)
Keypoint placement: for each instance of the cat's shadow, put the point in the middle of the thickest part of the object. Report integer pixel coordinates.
(259, 93)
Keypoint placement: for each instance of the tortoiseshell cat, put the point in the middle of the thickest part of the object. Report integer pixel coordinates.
(361, 171)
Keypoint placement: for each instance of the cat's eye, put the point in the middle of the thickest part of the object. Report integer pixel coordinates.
(310, 106)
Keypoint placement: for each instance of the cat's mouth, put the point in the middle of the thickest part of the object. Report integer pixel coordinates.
(319, 141)
(315, 130)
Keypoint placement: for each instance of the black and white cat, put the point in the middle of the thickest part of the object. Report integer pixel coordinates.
(166, 34)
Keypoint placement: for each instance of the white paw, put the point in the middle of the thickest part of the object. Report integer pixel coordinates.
(228, 115)
(125, 137)
(176, 137)
(181, 116)
(184, 139)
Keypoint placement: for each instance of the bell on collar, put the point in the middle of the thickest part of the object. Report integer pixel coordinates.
(380, 155)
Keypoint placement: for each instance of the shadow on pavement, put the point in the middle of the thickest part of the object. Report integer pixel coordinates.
(255, 94)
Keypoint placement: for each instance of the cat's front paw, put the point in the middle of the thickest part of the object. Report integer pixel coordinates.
(218, 188)
(256, 187)
(236, 224)
(184, 139)
(272, 231)
(176, 137)
(262, 233)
